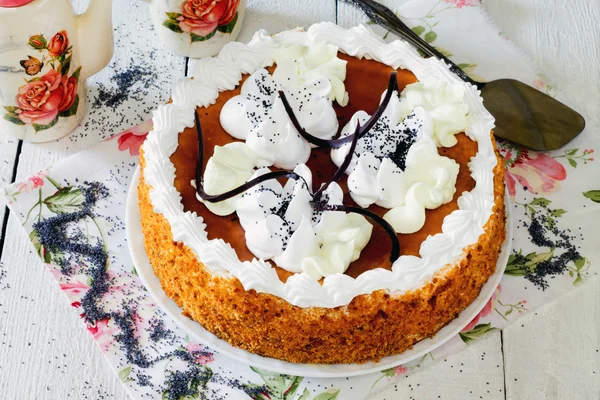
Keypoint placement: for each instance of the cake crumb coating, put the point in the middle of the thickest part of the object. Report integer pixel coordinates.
(370, 327)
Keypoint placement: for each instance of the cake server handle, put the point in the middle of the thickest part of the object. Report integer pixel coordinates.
(385, 17)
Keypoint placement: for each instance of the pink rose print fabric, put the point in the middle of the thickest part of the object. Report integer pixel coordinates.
(463, 3)
(132, 139)
(532, 171)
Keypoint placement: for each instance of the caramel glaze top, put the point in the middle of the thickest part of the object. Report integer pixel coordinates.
(365, 82)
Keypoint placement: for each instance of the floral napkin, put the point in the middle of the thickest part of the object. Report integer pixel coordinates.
(74, 215)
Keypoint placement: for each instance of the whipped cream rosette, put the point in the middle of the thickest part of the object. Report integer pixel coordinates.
(281, 224)
(446, 106)
(396, 165)
(301, 64)
(257, 116)
(229, 167)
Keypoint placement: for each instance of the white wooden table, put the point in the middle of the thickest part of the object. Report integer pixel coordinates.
(45, 352)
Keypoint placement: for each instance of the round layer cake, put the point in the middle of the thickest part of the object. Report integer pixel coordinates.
(351, 301)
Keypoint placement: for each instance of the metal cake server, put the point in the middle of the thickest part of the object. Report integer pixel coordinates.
(524, 115)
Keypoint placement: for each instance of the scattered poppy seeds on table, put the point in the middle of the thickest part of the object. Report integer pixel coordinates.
(61, 236)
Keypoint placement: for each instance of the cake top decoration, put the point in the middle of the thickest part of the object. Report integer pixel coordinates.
(283, 228)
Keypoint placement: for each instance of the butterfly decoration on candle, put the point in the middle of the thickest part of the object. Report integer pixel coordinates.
(32, 65)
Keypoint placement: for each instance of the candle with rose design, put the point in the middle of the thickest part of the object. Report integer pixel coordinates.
(197, 28)
(43, 68)
(42, 100)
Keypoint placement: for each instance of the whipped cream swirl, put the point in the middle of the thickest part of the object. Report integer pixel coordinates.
(280, 224)
(257, 116)
(230, 166)
(396, 166)
(446, 106)
(298, 65)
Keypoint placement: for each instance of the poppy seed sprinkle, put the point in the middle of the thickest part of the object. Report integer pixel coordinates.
(2, 278)
(544, 232)
(183, 384)
(158, 330)
(144, 380)
(133, 82)
(59, 236)
(65, 240)
(54, 236)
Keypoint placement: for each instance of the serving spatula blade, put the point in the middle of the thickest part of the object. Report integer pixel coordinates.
(523, 115)
(528, 117)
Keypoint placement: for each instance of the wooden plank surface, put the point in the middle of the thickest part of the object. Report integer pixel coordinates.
(555, 353)
(45, 352)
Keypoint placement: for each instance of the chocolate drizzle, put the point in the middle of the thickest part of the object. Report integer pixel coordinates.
(317, 202)
(335, 143)
(344, 165)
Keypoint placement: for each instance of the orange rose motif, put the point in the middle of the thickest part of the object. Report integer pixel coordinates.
(39, 100)
(69, 86)
(201, 17)
(230, 12)
(58, 44)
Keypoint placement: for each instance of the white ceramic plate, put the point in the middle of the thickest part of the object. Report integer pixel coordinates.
(194, 329)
